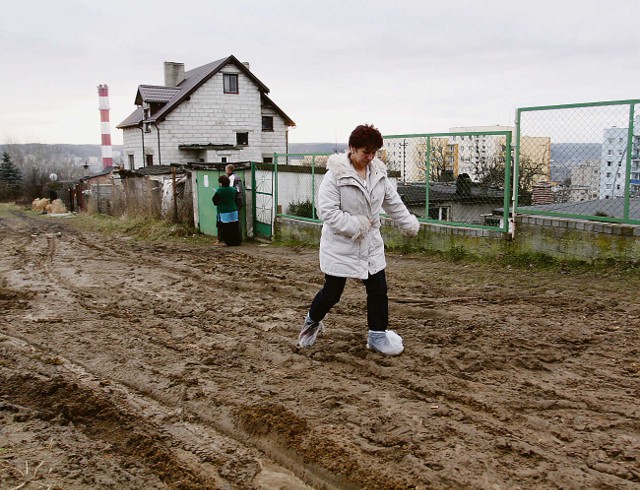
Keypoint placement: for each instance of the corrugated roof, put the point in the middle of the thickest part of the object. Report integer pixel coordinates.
(414, 194)
(614, 208)
(159, 170)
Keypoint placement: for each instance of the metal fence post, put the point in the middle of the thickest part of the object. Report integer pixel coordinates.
(627, 178)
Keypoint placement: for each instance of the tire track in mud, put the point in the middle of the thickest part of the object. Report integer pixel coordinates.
(66, 394)
(162, 397)
(483, 396)
(468, 406)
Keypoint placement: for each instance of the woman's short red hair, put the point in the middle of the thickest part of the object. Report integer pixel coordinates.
(366, 136)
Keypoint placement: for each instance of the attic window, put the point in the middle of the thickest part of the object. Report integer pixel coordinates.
(267, 123)
(230, 83)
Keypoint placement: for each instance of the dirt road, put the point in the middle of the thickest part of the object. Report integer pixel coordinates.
(127, 364)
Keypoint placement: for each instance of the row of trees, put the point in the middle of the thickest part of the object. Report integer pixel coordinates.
(25, 171)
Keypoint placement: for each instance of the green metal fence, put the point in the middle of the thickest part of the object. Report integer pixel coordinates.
(457, 178)
(263, 184)
(579, 161)
(298, 177)
(452, 194)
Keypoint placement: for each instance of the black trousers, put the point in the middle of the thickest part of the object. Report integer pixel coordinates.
(377, 300)
(229, 233)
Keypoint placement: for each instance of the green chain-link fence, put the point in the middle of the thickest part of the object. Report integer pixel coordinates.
(450, 195)
(579, 161)
(454, 178)
(298, 178)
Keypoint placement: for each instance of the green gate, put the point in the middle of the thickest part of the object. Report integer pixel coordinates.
(262, 182)
(207, 183)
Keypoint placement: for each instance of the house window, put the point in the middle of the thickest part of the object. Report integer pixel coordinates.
(132, 164)
(242, 139)
(149, 160)
(230, 84)
(267, 159)
(439, 213)
(267, 123)
(223, 159)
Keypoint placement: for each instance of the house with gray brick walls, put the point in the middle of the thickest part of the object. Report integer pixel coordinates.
(216, 113)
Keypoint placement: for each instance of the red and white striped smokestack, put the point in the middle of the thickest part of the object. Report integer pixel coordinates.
(105, 129)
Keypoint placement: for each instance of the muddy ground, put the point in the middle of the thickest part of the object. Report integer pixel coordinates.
(128, 364)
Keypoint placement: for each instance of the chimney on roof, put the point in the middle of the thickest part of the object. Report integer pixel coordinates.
(246, 65)
(173, 73)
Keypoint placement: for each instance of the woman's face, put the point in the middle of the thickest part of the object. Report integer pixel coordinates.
(361, 157)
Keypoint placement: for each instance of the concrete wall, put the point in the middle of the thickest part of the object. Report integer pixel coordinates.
(559, 238)
(578, 239)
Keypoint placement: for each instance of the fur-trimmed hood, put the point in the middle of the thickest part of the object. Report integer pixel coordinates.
(341, 166)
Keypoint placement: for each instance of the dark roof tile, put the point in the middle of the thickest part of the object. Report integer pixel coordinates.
(196, 77)
(134, 119)
(155, 93)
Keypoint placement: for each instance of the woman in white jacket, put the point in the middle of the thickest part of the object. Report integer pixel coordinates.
(353, 193)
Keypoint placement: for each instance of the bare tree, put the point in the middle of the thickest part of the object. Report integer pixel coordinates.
(491, 173)
(440, 160)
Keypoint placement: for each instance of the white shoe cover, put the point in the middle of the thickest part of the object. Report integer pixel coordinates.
(309, 332)
(388, 342)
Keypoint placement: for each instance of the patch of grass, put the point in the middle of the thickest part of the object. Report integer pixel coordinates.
(6, 207)
(292, 243)
(528, 260)
(457, 253)
(137, 228)
(531, 261)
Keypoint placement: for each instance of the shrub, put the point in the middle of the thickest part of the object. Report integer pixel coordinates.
(304, 209)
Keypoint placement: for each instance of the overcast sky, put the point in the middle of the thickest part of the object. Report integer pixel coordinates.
(405, 66)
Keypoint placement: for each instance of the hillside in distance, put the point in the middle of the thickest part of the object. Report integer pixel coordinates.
(317, 147)
(82, 152)
(564, 156)
(87, 151)
(575, 152)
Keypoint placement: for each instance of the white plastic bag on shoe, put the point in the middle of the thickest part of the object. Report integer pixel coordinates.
(388, 342)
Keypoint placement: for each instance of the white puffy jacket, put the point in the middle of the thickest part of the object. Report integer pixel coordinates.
(351, 244)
